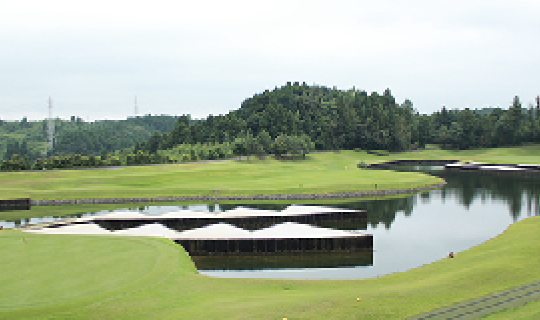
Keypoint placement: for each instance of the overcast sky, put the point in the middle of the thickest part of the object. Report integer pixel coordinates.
(206, 57)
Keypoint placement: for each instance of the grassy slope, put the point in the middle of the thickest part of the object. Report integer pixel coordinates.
(321, 173)
(501, 263)
(103, 277)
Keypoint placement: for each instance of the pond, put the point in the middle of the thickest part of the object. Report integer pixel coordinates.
(410, 231)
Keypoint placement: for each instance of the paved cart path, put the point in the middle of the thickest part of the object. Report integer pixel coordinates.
(483, 306)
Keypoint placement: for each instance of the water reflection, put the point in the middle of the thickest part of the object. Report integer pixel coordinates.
(407, 232)
(514, 190)
(302, 261)
(519, 193)
(335, 220)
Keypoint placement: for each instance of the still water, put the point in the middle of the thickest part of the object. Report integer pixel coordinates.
(412, 231)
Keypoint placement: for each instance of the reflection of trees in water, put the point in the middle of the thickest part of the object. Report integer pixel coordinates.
(515, 190)
(377, 210)
(385, 211)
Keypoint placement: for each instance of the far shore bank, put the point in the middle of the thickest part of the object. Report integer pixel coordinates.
(341, 195)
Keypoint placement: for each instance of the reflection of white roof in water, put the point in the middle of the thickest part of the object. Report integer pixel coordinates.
(492, 167)
(84, 219)
(219, 231)
(512, 169)
(149, 230)
(298, 230)
(288, 230)
(240, 212)
(123, 215)
(215, 231)
(314, 209)
(90, 228)
(185, 214)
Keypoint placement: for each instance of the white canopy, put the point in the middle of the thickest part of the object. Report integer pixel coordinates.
(89, 228)
(149, 230)
(215, 231)
(298, 230)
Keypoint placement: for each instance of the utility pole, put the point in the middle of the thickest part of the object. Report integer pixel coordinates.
(51, 125)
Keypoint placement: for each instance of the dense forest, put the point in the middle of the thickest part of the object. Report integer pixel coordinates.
(288, 122)
(75, 136)
(335, 119)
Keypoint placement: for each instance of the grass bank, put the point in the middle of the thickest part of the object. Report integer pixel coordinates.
(326, 172)
(110, 277)
(522, 154)
(320, 173)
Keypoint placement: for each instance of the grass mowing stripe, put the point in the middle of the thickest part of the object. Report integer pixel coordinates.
(174, 290)
(326, 172)
(230, 178)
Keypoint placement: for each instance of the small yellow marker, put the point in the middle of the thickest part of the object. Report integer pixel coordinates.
(358, 299)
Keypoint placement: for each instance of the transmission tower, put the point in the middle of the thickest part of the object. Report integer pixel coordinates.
(51, 125)
(136, 108)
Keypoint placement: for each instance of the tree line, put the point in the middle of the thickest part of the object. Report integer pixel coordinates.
(353, 119)
(466, 129)
(283, 146)
(288, 122)
(75, 136)
(77, 161)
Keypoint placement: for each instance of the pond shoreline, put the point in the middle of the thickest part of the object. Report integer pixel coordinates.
(341, 195)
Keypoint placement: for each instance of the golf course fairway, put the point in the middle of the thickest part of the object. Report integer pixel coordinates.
(103, 277)
(107, 277)
(320, 173)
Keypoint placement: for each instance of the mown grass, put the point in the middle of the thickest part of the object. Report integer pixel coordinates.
(100, 277)
(110, 277)
(508, 155)
(327, 172)
(320, 173)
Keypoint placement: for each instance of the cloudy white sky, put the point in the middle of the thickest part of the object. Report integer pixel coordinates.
(206, 57)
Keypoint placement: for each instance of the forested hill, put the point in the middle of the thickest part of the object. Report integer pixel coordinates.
(291, 119)
(348, 119)
(332, 118)
(76, 136)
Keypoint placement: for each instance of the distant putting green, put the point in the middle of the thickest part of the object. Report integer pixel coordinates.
(105, 277)
(320, 173)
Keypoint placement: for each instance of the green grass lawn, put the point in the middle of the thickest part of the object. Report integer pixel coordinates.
(327, 172)
(110, 277)
(320, 173)
(101, 277)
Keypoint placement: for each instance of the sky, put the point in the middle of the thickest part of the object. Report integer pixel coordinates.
(206, 57)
